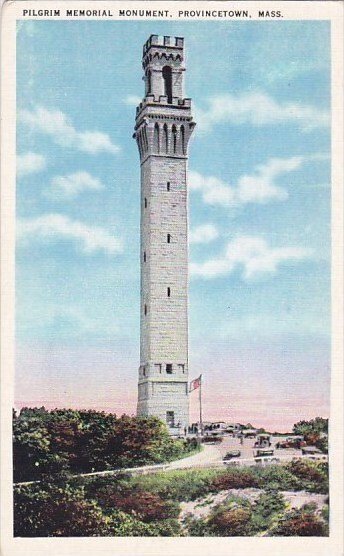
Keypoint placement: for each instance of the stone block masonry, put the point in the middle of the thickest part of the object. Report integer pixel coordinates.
(163, 127)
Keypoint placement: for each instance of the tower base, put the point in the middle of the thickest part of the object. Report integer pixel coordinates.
(168, 401)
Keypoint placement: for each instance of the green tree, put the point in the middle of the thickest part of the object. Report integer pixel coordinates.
(32, 455)
(48, 442)
(314, 431)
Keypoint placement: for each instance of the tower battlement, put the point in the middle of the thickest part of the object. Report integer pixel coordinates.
(150, 99)
(165, 41)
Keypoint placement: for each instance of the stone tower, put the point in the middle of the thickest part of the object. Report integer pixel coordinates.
(163, 127)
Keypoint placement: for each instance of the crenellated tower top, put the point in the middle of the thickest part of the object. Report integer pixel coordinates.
(162, 63)
(163, 118)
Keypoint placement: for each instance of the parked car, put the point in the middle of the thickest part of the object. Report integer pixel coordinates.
(310, 451)
(296, 443)
(263, 441)
(266, 460)
(212, 439)
(263, 452)
(232, 454)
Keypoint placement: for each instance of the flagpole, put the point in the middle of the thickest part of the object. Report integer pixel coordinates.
(200, 405)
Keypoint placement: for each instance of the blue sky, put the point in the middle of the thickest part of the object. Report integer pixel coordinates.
(259, 214)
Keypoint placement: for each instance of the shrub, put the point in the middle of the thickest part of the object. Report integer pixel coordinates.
(183, 485)
(238, 517)
(146, 506)
(32, 454)
(48, 442)
(325, 513)
(300, 523)
(197, 527)
(317, 425)
(56, 512)
(269, 506)
(305, 470)
(121, 524)
(142, 440)
(226, 520)
(277, 477)
(192, 444)
(232, 522)
(235, 478)
(166, 528)
(313, 474)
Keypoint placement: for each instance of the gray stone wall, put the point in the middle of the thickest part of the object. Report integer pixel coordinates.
(162, 133)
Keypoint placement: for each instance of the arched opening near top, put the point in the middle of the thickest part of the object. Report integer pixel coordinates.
(149, 82)
(142, 143)
(156, 138)
(145, 140)
(139, 144)
(165, 138)
(174, 135)
(167, 76)
(182, 133)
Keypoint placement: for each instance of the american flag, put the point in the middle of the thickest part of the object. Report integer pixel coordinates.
(196, 383)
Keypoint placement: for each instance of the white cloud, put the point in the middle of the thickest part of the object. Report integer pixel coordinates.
(252, 255)
(214, 191)
(73, 184)
(57, 226)
(203, 234)
(58, 126)
(258, 187)
(132, 100)
(259, 109)
(29, 163)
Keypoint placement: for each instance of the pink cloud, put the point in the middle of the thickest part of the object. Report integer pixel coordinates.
(273, 386)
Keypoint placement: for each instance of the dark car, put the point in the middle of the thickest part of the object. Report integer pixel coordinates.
(232, 454)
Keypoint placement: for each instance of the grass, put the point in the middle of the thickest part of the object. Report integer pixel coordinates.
(186, 485)
(192, 452)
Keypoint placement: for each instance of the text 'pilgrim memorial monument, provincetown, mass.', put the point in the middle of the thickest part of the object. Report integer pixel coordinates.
(163, 128)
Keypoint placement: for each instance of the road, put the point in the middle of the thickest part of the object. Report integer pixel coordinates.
(246, 448)
(211, 455)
